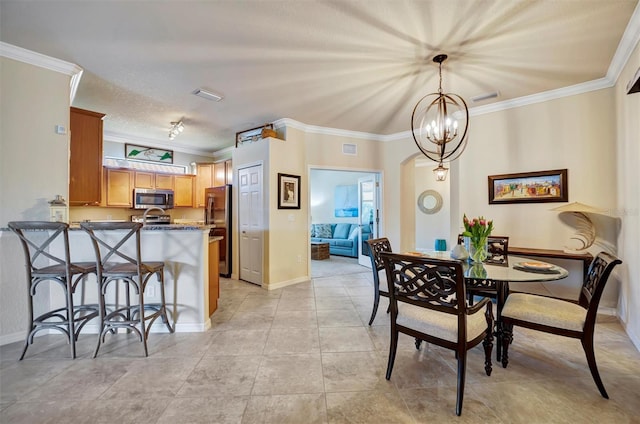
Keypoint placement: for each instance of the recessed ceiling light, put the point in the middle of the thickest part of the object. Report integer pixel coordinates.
(485, 96)
(208, 94)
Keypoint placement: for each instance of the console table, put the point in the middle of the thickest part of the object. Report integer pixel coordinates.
(586, 258)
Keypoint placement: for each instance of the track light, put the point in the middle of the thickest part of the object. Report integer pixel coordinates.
(176, 128)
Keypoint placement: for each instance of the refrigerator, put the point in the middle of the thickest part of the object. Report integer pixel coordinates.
(217, 212)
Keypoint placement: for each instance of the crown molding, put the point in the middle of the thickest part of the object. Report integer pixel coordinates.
(27, 56)
(124, 138)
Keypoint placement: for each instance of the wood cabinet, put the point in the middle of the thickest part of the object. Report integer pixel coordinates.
(146, 179)
(183, 191)
(219, 174)
(119, 185)
(214, 276)
(85, 161)
(228, 166)
(204, 179)
(165, 181)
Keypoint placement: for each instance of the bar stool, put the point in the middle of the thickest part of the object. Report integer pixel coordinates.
(39, 241)
(118, 258)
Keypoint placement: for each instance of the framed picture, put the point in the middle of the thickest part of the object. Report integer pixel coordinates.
(288, 191)
(132, 151)
(529, 187)
(346, 201)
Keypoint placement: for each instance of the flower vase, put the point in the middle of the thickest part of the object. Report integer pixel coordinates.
(478, 249)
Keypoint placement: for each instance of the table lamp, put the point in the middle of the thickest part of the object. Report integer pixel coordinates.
(585, 231)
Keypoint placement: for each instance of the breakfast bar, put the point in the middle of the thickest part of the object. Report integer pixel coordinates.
(191, 279)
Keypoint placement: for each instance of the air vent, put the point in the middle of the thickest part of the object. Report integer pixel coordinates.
(208, 94)
(485, 96)
(350, 149)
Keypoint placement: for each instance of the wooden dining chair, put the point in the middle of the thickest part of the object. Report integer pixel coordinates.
(575, 319)
(498, 248)
(428, 302)
(377, 246)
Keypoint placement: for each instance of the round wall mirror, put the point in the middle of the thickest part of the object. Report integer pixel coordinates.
(430, 202)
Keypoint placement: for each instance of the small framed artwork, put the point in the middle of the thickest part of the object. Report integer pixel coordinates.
(132, 151)
(288, 191)
(529, 187)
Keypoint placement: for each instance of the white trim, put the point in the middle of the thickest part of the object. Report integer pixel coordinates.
(44, 61)
(17, 337)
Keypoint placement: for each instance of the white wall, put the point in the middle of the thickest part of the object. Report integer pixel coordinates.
(627, 174)
(34, 101)
(430, 227)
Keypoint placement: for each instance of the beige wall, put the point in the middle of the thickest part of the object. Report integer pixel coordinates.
(627, 151)
(34, 100)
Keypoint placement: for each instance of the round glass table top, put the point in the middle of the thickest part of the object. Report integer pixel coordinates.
(515, 269)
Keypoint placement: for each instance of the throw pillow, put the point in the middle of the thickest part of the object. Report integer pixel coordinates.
(354, 232)
(323, 230)
(312, 231)
(341, 231)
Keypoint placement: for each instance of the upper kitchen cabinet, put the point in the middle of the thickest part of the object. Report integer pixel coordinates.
(146, 179)
(85, 164)
(204, 178)
(183, 192)
(219, 174)
(228, 167)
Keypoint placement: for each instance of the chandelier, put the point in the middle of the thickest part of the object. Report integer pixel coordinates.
(439, 125)
(176, 128)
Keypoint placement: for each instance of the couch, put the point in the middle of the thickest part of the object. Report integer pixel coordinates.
(342, 238)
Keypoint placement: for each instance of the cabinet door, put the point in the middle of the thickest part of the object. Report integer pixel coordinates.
(85, 161)
(204, 179)
(228, 167)
(183, 194)
(220, 174)
(119, 187)
(214, 277)
(144, 179)
(165, 181)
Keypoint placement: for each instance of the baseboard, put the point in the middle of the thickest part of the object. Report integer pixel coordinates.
(14, 337)
(287, 283)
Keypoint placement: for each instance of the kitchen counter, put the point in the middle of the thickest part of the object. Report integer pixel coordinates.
(185, 251)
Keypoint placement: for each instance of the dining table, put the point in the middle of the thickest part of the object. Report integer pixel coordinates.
(496, 275)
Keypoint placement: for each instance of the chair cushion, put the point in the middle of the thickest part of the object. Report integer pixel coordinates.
(323, 231)
(439, 324)
(341, 231)
(544, 310)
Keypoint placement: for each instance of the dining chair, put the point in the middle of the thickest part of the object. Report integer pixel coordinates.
(377, 246)
(428, 302)
(498, 248)
(119, 258)
(47, 258)
(563, 317)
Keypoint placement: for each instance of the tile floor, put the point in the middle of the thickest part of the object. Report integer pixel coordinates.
(304, 354)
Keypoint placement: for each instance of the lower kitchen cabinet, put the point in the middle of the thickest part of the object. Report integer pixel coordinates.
(214, 274)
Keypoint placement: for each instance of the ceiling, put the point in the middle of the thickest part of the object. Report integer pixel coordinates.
(349, 65)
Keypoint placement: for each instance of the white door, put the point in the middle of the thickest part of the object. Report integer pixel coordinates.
(250, 219)
(368, 213)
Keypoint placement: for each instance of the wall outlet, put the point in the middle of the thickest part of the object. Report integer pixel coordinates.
(108, 217)
(151, 291)
(299, 259)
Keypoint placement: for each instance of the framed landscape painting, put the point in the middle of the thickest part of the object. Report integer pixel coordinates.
(529, 187)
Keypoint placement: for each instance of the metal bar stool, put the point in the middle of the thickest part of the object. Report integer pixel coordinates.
(39, 241)
(118, 258)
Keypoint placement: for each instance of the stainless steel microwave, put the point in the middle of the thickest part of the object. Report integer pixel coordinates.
(144, 198)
